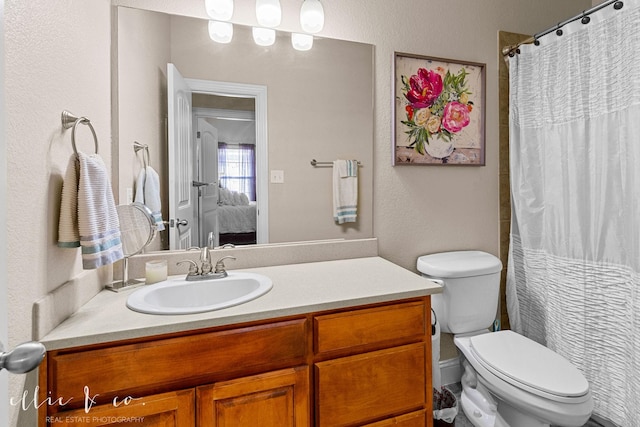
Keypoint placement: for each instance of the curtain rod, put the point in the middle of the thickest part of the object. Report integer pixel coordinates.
(513, 49)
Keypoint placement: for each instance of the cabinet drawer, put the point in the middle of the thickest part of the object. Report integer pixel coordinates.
(412, 419)
(372, 385)
(369, 326)
(137, 369)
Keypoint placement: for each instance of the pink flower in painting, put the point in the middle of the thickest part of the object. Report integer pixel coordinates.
(455, 116)
(426, 87)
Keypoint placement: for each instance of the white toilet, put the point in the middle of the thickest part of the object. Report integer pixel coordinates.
(508, 379)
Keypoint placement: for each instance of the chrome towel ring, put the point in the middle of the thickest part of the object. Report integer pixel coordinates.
(71, 121)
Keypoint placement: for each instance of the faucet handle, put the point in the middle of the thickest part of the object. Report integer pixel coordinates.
(220, 268)
(193, 267)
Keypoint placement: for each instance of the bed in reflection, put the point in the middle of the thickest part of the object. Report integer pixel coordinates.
(237, 218)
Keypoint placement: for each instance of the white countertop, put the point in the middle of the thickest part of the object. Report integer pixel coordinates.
(297, 289)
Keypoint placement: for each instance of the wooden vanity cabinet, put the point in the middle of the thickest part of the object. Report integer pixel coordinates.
(366, 365)
(374, 364)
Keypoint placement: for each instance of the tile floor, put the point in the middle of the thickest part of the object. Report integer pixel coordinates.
(462, 421)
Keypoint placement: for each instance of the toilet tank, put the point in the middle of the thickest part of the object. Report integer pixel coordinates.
(471, 281)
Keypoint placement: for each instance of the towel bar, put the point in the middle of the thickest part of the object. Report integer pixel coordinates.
(314, 162)
(71, 121)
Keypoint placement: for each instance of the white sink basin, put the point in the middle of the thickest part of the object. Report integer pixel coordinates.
(179, 296)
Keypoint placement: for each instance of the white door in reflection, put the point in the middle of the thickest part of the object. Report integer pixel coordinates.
(181, 201)
(206, 181)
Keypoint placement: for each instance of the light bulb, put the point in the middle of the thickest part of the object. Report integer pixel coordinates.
(268, 13)
(221, 32)
(301, 41)
(220, 10)
(312, 16)
(264, 36)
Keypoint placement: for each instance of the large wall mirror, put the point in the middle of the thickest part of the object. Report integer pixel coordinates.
(281, 106)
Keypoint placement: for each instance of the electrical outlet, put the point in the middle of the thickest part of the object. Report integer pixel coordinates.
(277, 177)
(129, 195)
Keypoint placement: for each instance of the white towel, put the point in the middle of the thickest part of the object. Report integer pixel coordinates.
(148, 193)
(88, 216)
(345, 190)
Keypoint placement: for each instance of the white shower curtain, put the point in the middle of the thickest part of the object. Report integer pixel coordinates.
(574, 264)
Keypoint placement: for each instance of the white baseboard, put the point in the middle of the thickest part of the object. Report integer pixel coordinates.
(450, 370)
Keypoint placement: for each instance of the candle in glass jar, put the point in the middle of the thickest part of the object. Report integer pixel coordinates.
(155, 271)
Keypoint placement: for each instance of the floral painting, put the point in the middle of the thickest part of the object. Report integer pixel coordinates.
(438, 111)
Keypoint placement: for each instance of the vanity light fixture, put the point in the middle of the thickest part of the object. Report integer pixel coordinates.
(301, 41)
(312, 16)
(268, 13)
(219, 10)
(221, 32)
(264, 36)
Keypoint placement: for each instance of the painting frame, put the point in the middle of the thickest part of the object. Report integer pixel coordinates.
(438, 111)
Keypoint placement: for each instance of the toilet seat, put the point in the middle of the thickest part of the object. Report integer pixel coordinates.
(530, 366)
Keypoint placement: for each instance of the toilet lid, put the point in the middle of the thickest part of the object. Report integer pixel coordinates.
(518, 359)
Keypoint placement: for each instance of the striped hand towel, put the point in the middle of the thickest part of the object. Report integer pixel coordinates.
(88, 216)
(345, 191)
(148, 193)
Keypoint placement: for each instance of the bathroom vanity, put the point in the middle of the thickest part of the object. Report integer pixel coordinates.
(336, 343)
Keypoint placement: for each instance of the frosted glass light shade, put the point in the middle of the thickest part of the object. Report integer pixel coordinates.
(268, 13)
(221, 32)
(312, 16)
(264, 36)
(301, 41)
(219, 10)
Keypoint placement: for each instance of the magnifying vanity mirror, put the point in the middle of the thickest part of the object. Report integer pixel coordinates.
(137, 231)
(285, 106)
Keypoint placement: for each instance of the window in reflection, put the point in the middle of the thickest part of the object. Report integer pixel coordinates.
(237, 168)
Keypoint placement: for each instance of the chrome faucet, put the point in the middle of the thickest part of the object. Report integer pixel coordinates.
(204, 272)
(205, 261)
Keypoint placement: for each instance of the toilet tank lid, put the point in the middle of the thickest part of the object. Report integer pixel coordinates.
(458, 264)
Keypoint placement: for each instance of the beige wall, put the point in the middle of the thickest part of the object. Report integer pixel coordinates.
(57, 56)
(143, 52)
(143, 46)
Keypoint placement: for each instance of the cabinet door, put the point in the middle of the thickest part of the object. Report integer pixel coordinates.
(356, 389)
(174, 409)
(274, 399)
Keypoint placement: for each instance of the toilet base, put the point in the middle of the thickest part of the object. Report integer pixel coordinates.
(505, 416)
(485, 409)
(513, 417)
(477, 403)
